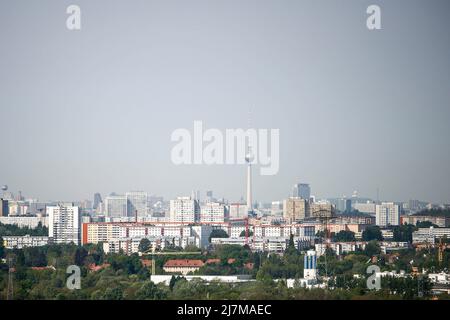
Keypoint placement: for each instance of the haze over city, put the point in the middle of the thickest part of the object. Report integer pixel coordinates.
(93, 110)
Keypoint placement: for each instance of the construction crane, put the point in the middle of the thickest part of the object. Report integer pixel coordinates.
(154, 253)
(324, 215)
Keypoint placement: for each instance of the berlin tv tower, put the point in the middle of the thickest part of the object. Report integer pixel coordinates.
(249, 158)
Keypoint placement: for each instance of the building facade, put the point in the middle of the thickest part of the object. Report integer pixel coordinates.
(64, 224)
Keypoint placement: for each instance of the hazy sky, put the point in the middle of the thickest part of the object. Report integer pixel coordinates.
(93, 110)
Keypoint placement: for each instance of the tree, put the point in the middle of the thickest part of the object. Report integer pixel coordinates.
(218, 233)
(144, 245)
(372, 248)
(2, 250)
(345, 236)
(372, 233)
(425, 224)
(242, 234)
(149, 291)
(403, 233)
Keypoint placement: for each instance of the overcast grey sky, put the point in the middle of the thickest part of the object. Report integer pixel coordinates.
(93, 110)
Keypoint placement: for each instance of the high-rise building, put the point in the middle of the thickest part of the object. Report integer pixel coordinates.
(213, 212)
(302, 190)
(321, 209)
(4, 208)
(387, 214)
(64, 223)
(97, 200)
(238, 211)
(137, 203)
(295, 209)
(116, 206)
(184, 209)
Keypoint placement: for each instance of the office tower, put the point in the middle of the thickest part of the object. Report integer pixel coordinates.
(184, 209)
(310, 265)
(97, 201)
(387, 214)
(64, 224)
(213, 212)
(4, 208)
(295, 209)
(137, 203)
(302, 190)
(116, 206)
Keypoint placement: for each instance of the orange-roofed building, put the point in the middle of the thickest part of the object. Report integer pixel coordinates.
(212, 261)
(146, 262)
(95, 268)
(183, 266)
(231, 260)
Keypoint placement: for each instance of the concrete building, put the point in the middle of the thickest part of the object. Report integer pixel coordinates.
(387, 214)
(321, 209)
(213, 212)
(64, 224)
(116, 206)
(183, 266)
(25, 221)
(295, 209)
(238, 211)
(369, 208)
(19, 242)
(137, 203)
(442, 222)
(184, 209)
(430, 235)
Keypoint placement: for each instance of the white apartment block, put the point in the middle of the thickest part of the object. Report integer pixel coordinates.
(25, 221)
(184, 209)
(213, 212)
(429, 235)
(275, 244)
(387, 214)
(110, 232)
(19, 242)
(369, 208)
(131, 245)
(64, 224)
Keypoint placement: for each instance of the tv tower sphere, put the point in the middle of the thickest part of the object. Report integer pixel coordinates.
(4, 187)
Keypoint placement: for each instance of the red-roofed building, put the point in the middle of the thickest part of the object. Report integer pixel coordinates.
(146, 263)
(93, 267)
(231, 260)
(249, 265)
(183, 266)
(212, 261)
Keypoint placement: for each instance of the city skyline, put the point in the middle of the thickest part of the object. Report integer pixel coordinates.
(93, 110)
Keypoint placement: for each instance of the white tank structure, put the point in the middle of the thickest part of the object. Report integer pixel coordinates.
(310, 265)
